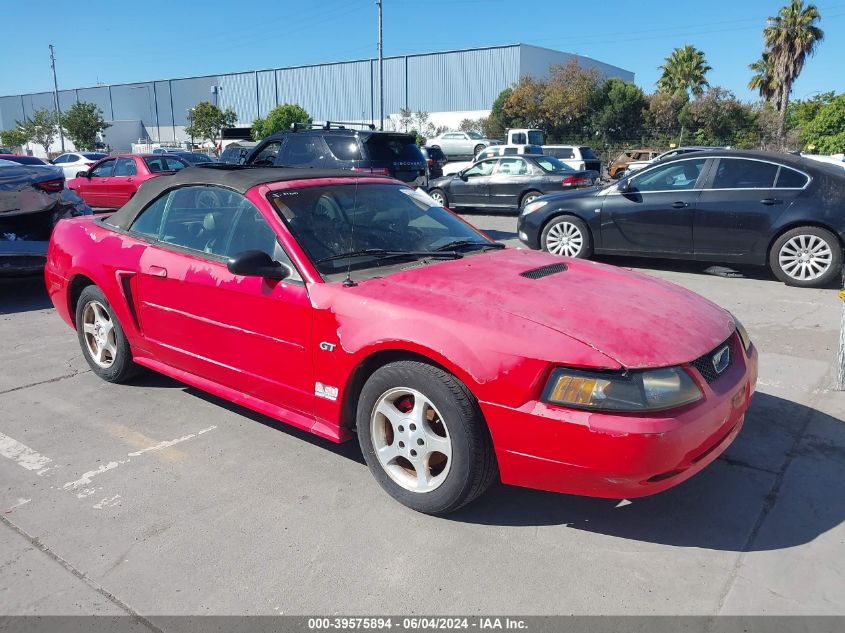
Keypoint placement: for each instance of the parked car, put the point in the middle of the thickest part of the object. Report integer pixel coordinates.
(165, 149)
(435, 159)
(32, 161)
(72, 163)
(334, 146)
(635, 165)
(723, 206)
(833, 159)
(352, 305)
(508, 182)
(454, 167)
(194, 158)
(32, 200)
(460, 144)
(617, 168)
(577, 157)
(112, 181)
(236, 153)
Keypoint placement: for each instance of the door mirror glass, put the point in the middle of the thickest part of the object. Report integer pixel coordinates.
(256, 264)
(622, 186)
(83, 174)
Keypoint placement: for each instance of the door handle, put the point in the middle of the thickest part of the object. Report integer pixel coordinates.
(770, 201)
(679, 205)
(157, 271)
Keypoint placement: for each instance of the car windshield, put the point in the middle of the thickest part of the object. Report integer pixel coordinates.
(393, 147)
(552, 164)
(26, 160)
(588, 154)
(474, 135)
(385, 217)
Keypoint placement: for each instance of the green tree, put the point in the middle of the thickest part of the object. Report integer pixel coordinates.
(498, 121)
(718, 118)
(825, 134)
(620, 111)
(570, 97)
(684, 71)
(14, 138)
(279, 119)
(663, 115)
(523, 105)
(791, 36)
(41, 128)
(82, 122)
(763, 80)
(207, 120)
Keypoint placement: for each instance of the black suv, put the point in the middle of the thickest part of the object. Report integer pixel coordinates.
(332, 145)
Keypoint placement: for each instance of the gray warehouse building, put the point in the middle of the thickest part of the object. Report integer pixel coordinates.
(449, 85)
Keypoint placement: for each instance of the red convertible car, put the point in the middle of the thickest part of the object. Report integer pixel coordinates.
(355, 305)
(112, 181)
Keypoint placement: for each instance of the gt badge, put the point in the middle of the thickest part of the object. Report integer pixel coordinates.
(327, 347)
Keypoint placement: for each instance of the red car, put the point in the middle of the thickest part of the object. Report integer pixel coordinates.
(349, 305)
(112, 181)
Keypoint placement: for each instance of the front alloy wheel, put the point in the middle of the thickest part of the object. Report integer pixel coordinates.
(101, 337)
(98, 332)
(808, 256)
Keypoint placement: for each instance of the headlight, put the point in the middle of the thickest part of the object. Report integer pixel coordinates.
(743, 334)
(651, 390)
(533, 206)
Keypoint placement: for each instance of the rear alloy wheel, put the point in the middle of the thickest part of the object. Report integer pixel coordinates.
(101, 337)
(567, 236)
(423, 437)
(478, 148)
(438, 196)
(529, 197)
(808, 256)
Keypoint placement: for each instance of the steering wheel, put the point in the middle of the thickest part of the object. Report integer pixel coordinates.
(207, 199)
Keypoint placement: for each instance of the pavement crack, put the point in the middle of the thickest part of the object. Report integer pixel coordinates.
(75, 373)
(36, 542)
(738, 462)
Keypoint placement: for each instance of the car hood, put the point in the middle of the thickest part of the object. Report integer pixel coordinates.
(636, 320)
(586, 192)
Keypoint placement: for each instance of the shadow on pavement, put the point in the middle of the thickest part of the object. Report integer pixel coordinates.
(23, 294)
(766, 474)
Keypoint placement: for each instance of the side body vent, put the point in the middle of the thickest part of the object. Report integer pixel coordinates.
(544, 271)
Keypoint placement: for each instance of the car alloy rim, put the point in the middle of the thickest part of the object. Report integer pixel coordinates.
(98, 329)
(805, 257)
(437, 197)
(411, 439)
(529, 199)
(564, 238)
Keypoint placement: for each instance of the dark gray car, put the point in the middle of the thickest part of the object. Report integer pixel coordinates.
(508, 182)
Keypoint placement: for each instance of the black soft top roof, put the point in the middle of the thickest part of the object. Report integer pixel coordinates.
(240, 178)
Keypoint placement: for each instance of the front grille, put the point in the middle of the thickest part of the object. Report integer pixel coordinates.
(543, 271)
(704, 364)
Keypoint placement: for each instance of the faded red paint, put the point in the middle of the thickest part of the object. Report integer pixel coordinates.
(256, 342)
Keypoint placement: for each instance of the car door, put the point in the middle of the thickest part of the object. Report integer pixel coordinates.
(470, 187)
(654, 215)
(741, 201)
(96, 189)
(303, 150)
(509, 180)
(123, 181)
(248, 333)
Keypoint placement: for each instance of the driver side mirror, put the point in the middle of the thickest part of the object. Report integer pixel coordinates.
(624, 186)
(256, 264)
(462, 174)
(83, 174)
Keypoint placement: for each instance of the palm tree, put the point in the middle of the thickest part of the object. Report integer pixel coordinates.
(763, 80)
(791, 36)
(684, 72)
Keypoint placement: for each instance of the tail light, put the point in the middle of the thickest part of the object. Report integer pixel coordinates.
(430, 162)
(381, 171)
(574, 181)
(51, 186)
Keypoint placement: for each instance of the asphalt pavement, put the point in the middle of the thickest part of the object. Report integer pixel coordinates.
(155, 498)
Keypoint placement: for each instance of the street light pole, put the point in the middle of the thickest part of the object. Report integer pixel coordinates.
(380, 70)
(56, 98)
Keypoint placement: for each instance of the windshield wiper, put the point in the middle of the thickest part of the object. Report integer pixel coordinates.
(381, 253)
(461, 244)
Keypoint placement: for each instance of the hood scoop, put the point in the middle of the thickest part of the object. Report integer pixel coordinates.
(544, 271)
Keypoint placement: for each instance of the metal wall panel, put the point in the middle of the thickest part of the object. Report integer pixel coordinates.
(98, 96)
(67, 98)
(266, 95)
(38, 101)
(460, 80)
(11, 110)
(161, 99)
(189, 92)
(133, 102)
(238, 91)
(330, 91)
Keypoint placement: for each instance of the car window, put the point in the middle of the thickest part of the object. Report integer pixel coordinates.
(125, 167)
(552, 164)
(174, 164)
(91, 156)
(300, 150)
(512, 167)
(104, 169)
(674, 176)
(790, 179)
(251, 232)
(149, 221)
(344, 147)
(268, 153)
(587, 154)
(64, 158)
(393, 147)
(487, 153)
(484, 168)
(560, 152)
(518, 138)
(738, 173)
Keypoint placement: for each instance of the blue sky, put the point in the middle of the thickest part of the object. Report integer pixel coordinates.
(119, 42)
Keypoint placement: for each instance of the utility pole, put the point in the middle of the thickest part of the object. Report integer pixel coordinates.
(56, 98)
(380, 70)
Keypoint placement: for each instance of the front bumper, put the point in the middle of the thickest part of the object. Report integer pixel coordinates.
(621, 456)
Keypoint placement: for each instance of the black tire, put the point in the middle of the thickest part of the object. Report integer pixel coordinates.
(812, 235)
(477, 149)
(435, 192)
(563, 224)
(528, 196)
(620, 174)
(121, 367)
(472, 465)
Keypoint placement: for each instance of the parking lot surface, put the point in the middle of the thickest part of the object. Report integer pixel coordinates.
(155, 498)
